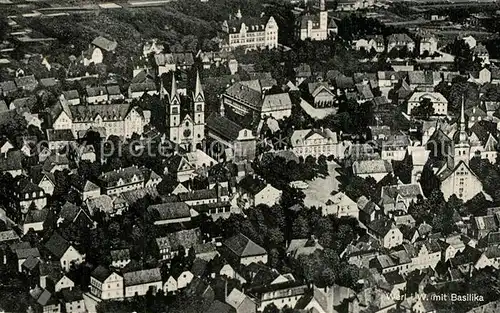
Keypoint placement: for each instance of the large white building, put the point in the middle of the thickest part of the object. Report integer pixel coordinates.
(439, 102)
(315, 25)
(250, 33)
(316, 142)
(115, 119)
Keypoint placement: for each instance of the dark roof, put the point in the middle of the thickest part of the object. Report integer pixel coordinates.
(57, 245)
(171, 210)
(142, 277)
(394, 278)
(242, 246)
(187, 238)
(121, 254)
(12, 160)
(60, 135)
(245, 94)
(105, 44)
(220, 307)
(71, 295)
(223, 126)
(101, 273)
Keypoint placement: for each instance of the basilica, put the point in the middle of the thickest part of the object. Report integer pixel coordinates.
(186, 119)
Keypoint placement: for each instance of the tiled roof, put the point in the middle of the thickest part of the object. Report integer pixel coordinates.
(119, 255)
(36, 216)
(168, 211)
(245, 94)
(108, 112)
(223, 126)
(105, 44)
(71, 94)
(125, 174)
(142, 277)
(371, 167)
(60, 135)
(187, 238)
(8, 235)
(399, 38)
(279, 101)
(253, 24)
(26, 81)
(101, 273)
(12, 160)
(57, 245)
(242, 246)
(27, 252)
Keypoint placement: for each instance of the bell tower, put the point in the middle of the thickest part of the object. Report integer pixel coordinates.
(174, 111)
(462, 145)
(199, 112)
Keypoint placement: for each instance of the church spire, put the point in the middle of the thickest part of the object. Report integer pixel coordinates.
(462, 115)
(198, 91)
(162, 89)
(173, 93)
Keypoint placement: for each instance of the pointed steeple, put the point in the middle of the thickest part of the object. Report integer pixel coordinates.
(174, 96)
(198, 92)
(462, 115)
(162, 90)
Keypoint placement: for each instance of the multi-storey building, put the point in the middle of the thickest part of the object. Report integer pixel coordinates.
(250, 33)
(315, 25)
(115, 119)
(121, 180)
(105, 284)
(439, 102)
(316, 142)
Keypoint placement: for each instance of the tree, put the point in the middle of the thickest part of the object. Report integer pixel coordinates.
(403, 169)
(429, 181)
(424, 110)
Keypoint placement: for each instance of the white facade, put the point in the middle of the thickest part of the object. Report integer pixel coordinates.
(439, 102)
(122, 125)
(258, 36)
(110, 288)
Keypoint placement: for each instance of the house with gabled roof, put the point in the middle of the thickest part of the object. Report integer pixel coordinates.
(61, 250)
(120, 257)
(316, 142)
(105, 284)
(399, 197)
(368, 210)
(35, 220)
(169, 245)
(124, 179)
(240, 249)
(22, 252)
(44, 301)
(386, 232)
(298, 247)
(241, 302)
(481, 226)
(339, 204)
(377, 169)
(73, 214)
(399, 41)
(169, 213)
(139, 282)
(240, 140)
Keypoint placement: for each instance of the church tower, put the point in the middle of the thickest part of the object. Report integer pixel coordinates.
(199, 112)
(174, 111)
(323, 16)
(462, 145)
